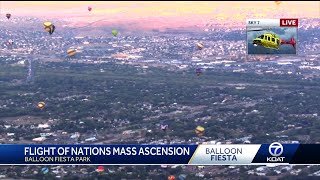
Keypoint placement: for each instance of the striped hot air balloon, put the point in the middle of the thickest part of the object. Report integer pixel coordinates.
(200, 46)
(45, 170)
(182, 177)
(71, 52)
(49, 27)
(199, 130)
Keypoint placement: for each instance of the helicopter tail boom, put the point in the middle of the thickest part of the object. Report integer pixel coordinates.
(292, 42)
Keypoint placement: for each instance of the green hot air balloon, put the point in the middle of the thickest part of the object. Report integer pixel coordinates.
(114, 32)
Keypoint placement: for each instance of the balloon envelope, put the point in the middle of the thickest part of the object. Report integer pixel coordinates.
(49, 27)
(200, 46)
(45, 170)
(41, 105)
(114, 32)
(278, 2)
(100, 169)
(10, 41)
(198, 71)
(71, 52)
(8, 15)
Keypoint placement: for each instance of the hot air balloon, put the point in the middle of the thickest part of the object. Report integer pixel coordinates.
(164, 126)
(278, 3)
(200, 46)
(182, 177)
(45, 170)
(171, 177)
(10, 42)
(89, 8)
(198, 71)
(114, 32)
(49, 27)
(71, 52)
(41, 105)
(100, 169)
(8, 15)
(199, 131)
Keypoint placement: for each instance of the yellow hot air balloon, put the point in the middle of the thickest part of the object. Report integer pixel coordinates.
(41, 105)
(49, 27)
(199, 130)
(71, 52)
(278, 2)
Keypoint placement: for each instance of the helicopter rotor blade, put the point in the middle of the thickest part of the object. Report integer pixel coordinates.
(255, 30)
(259, 29)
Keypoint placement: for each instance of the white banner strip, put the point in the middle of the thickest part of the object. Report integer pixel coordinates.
(224, 154)
(263, 22)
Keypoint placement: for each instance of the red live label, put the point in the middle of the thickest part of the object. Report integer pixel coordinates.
(289, 22)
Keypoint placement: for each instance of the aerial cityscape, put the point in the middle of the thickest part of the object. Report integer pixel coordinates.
(155, 73)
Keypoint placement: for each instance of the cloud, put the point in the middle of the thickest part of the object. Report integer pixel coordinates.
(289, 33)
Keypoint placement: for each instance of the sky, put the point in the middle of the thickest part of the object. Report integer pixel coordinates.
(157, 13)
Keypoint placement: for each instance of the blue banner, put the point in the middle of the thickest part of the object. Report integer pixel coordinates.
(96, 154)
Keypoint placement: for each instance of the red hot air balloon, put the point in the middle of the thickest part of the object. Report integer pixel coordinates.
(100, 169)
(89, 8)
(8, 15)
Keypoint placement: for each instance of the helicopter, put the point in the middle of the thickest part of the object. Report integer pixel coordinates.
(271, 41)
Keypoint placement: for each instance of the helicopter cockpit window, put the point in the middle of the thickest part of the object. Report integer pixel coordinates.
(272, 39)
(261, 37)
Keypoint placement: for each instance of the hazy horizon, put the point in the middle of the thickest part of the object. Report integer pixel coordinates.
(159, 15)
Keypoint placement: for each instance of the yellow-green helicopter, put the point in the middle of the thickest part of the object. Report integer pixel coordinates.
(271, 40)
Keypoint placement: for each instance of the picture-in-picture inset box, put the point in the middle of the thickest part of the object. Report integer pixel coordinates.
(272, 36)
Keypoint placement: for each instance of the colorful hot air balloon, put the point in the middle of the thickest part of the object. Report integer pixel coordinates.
(182, 177)
(200, 46)
(71, 52)
(49, 27)
(164, 126)
(10, 42)
(8, 15)
(45, 170)
(114, 32)
(171, 177)
(41, 105)
(199, 131)
(100, 169)
(89, 8)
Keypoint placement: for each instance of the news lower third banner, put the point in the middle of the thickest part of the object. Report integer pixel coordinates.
(231, 154)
